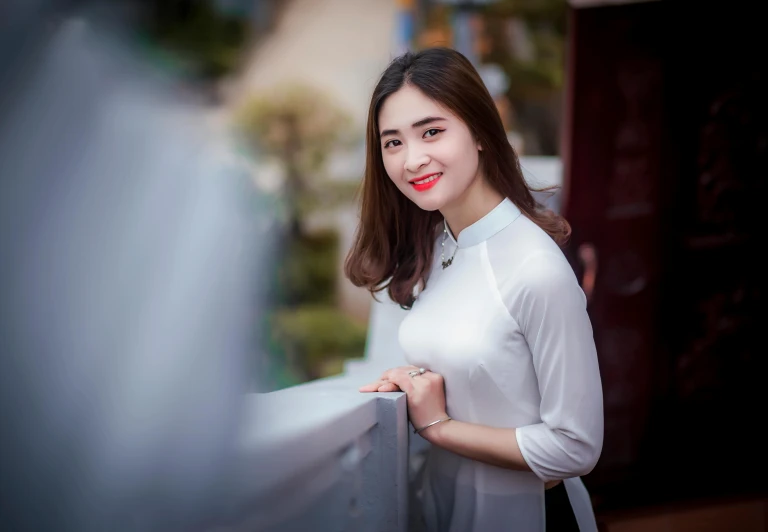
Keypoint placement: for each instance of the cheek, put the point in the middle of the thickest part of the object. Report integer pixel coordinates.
(462, 157)
(393, 167)
(472, 160)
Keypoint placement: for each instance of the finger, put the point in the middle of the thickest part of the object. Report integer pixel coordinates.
(373, 386)
(389, 387)
(394, 371)
(403, 381)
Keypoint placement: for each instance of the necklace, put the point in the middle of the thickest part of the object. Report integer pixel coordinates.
(442, 252)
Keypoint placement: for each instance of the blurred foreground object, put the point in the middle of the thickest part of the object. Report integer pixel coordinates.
(128, 288)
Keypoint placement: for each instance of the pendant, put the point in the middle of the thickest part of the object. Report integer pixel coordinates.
(447, 263)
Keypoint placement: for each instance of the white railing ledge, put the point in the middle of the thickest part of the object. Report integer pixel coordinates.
(323, 452)
(297, 427)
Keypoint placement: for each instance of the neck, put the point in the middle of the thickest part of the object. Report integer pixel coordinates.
(479, 199)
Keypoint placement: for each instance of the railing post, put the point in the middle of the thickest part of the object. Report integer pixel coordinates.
(384, 490)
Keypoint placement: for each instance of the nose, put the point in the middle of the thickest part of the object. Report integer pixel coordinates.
(415, 161)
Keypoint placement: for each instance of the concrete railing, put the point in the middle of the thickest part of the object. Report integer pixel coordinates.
(325, 457)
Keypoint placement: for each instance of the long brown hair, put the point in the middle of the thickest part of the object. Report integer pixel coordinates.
(395, 239)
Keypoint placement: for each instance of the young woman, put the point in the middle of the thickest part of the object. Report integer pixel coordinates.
(504, 381)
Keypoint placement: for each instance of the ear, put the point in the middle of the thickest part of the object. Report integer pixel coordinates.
(479, 147)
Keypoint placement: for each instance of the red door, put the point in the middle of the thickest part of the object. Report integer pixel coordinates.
(666, 163)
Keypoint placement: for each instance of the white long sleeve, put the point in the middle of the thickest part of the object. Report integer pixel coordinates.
(550, 308)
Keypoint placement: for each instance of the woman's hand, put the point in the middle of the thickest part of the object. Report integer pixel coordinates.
(425, 393)
(382, 385)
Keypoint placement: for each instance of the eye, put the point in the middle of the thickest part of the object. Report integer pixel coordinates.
(432, 132)
(389, 143)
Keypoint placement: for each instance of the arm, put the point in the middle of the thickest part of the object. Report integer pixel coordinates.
(490, 445)
(551, 312)
(426, 403)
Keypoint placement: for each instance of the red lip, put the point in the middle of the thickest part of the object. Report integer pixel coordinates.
(425, 186)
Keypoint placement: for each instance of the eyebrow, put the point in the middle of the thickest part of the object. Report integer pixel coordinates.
(420, 123)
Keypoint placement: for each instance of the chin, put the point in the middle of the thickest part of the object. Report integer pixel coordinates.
(429, 203)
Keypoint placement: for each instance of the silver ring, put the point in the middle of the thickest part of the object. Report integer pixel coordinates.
(413, 373)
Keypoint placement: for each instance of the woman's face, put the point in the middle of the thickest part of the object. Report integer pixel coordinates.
(428, 153)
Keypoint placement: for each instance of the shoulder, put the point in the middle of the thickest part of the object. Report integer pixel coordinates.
(544, 272)
(524, 250)
(527, 262)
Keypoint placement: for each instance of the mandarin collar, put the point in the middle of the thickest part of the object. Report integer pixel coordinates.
(500, 217)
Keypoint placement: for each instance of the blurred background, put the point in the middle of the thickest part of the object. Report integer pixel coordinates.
(178, 191)
(281, 88)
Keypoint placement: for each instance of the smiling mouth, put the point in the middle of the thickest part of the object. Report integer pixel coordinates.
(426, 183)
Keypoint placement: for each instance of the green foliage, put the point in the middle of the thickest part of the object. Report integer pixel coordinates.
(533, 81)
(308, 272)
(309, 335)
(538, 13)
(546, 24)
(315, 334)
(527, 39)
(299, 124)
(325, 194)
